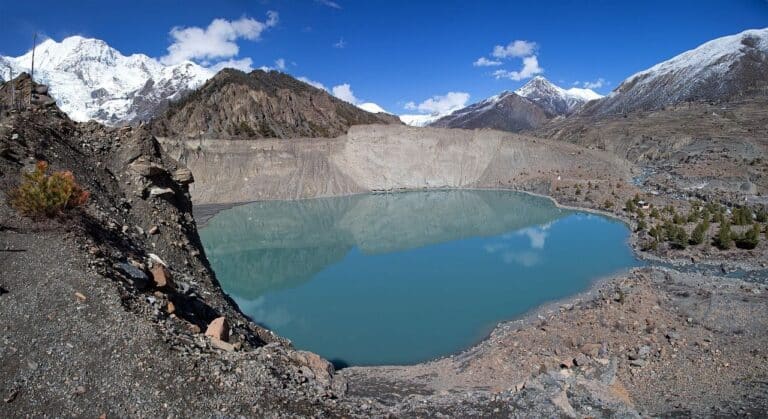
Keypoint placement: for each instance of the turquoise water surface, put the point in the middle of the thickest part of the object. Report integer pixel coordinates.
(406, 277)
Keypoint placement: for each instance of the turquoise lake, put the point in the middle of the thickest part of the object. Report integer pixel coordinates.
(407, 277)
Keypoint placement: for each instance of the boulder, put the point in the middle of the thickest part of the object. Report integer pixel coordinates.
(183, 176)
(322, 369)
(146, 168)
(161, 276)
(218, 329)
(41, 89)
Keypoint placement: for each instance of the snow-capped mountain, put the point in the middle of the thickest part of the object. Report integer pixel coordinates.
(419, 120)
(91, 80)
(720, 69)
(507, 111)
(554, 99)
(526, 108)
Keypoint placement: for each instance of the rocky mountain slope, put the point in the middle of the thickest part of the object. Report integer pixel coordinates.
(528, 107)
(261, 104)
(722, 69)
(92, 80)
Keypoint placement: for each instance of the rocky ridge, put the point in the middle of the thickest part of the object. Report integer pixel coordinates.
(727, 68)
(261, 104)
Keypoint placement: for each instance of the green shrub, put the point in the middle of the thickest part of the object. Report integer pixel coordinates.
(679, 237)
(750, 239)
(699, 234)
(724, 238)
(761, 215)
(741, 216)
(46, 195)
(630, 205)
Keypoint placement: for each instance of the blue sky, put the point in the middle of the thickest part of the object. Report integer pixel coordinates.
(395, 52)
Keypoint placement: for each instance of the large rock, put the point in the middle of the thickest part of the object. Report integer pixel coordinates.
(218, 329)
(183, 176)
(161, 276)
(146, 168)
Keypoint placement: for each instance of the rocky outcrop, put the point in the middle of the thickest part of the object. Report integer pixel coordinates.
(261, 104)
(384, 158)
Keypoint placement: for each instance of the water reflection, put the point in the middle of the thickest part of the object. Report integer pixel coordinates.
(401, 278)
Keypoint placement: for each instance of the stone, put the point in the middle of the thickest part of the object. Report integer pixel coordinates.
(591, 349)
(581, 360)
(638, 363)
(135, 275)
(195, 329)
(170, 308)
(155, 191)
(80, 297)
(15, 137)
(143, 167)
(220, 344)
(41, 89)
(161, 276)
(183, 176)
(153, 230)
(322, 369)
(218, 329)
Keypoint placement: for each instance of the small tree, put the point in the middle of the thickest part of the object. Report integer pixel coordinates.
(750, 239)
(41, 194)
(641, 225)
(679, 238)
(724, 239)
(700, 232)
(630, 205)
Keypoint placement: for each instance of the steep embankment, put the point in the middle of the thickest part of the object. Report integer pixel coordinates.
(384, 158)
(103, 307)
(261, 104)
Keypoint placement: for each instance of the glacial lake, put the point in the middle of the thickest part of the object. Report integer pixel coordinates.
(402, 278)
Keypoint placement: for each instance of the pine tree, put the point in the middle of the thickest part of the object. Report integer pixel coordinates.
(724, 239)
(699, 233)
(750, 239)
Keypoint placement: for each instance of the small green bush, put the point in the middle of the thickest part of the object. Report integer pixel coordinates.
(724, 238)
(700, 232)
(750, 239)
(46, 195)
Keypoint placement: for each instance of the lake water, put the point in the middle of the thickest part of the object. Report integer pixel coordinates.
(406, 277)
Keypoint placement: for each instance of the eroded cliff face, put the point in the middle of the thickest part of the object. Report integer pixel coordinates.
(385, 158)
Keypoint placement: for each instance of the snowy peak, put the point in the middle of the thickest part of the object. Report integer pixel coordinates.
(554, 99)
(92, 80)
(724, 68)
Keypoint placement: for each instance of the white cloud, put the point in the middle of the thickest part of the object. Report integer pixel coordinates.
(217, 41)
(594, 84)
(530, 68)
(280, 63)
(440, 104)
(329, 3)
(312, 83)
(514, 49)
(245, 64)
(344, 92)
(484, 62)
(340, 44)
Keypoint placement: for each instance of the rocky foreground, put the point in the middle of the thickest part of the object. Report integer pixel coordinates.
(112, 310)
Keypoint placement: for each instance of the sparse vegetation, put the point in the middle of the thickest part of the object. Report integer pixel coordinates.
(43, 195)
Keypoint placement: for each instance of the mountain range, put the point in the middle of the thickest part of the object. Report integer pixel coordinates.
(528, 107)
(91, 80)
